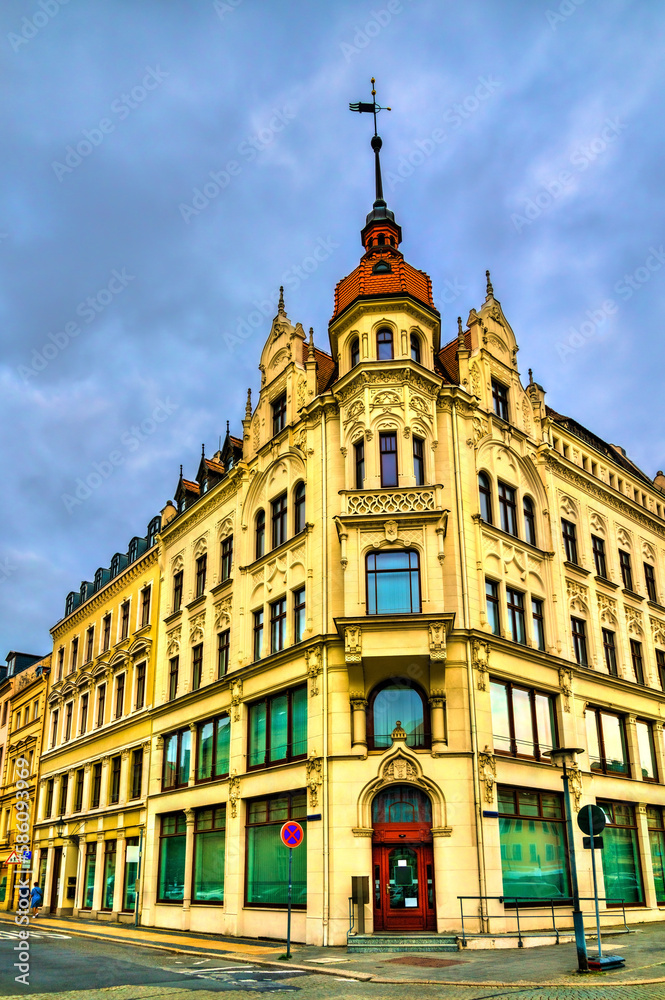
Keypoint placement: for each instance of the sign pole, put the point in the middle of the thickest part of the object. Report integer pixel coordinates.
(292, 836)
(595, 881)
(288, 918)
(138, 880)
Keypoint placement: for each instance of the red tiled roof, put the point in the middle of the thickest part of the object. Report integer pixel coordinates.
(190, 486)
(447, 359)
(326, 370)
(402, 279)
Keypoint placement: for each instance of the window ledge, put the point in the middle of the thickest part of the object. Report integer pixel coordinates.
(631, 593)
(173, 616)
(514, 539)
(576, 567)
(262, 560)
(195, 603)
(656, 607)
(606, 583)
(222, 586)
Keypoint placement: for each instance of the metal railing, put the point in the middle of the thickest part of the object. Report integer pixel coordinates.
(352, 917)
(514, 911)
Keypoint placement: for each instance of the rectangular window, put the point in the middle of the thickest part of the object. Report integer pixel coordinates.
(96, 789)
(89, 643)
(223, 652)
(648, 770)
(578, 627)
(523, 720)
(140, 685)
(609, 649)
(227, 558)
(419, 461)
(515, 611)
(176, 768)
(172, 841)
(393, 583)
(177, 591)
(89, 874)
(78, 790)
(145, 606)
(75, 655)
(388, 453)
(174, 666)
(131, 872)
(267, 860)
(106, 632)
(64, 788)
(279, 414)
(626, 570)
(54, 727)
(599, 556)
(212, 748)
(101, 704)
(119, 696)
(116, 765)
(197, 666)
(69, 709)
(507, 508)
(277, 625)
(278, 728)
(359, 456)
(258, 634)
(500, 399)
(299, 621)
(137, 774)
(48, 808)
(61, 661)
(209, 851)
(636, 657)
(650, 581)
(124, 620)
(656, 824)
(569, 532)
(538, 621)
(621, 865)
(660, 663)
(534, 856)
(492, 602)
(109, 874)
(606, 741)
(279, 521)
(201, 566)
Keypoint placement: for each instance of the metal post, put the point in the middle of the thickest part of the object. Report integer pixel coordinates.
(138, 880)
(578, 918)
(595, 881)
(288, 919)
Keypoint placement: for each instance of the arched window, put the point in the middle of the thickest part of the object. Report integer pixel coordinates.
(529, 521)
(402, 804)
(355, 352)
(299, 508)
(393, 583)
(415, 347)
(485, 490)
(397, 700)
(384, 345)
(260, 534)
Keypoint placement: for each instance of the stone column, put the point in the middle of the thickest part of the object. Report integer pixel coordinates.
(632, 747)
(192, 754)
(87, 778)
(156, 765)
(49, 875)
(125, 768)
(644, 849)
(104, 790)
(41, 804)
(359, 722)
(71, 791)
(437, 719)
(99, 874)
(121, 845)
(189, 861)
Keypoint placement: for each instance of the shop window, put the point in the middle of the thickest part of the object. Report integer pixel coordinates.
(656, 824)
(172, 840)
(606, 736)
(109, 874)
(278, 728)
(393, 583)
(209, 852)
(177, 749)
(131, 873)
(267, 860)
(89, 875)
(393, 701)
(212, 748)
(523, 721)
(621, 865)
(532, 836)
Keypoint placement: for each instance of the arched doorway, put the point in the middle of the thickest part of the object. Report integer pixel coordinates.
(403, 860)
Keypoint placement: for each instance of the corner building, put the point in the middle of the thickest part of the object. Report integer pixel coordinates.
(380, 608)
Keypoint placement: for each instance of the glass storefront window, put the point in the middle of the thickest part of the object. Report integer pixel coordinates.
(533, 846)
(109, 874)
(403, 804)
(267, 858)
(606, 741)
(209, 851)
(621, 866)
(213, 741)
(277, 728)
(89, 875)
(523, 720)
(397, 700)
(656, 824)
(172, 858)
(131, 874)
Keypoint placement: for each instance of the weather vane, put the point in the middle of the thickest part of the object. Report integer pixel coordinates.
(374, 109)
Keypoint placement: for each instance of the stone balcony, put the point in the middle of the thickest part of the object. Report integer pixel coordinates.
(408, 500)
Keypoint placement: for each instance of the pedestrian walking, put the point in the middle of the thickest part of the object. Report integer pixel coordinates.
(36, 899)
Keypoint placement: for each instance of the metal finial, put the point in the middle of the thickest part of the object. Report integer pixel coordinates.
(203, 451)
(181, 471)
(530, 376)
(248, 405)
(376, 143)
(280, 304)
(227, 427)
(311, 356)
(490, 290)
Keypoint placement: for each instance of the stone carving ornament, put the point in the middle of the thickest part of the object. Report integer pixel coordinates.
(480, 655)
(487, 772)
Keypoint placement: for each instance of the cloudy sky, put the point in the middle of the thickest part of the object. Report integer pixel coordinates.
(166, 165)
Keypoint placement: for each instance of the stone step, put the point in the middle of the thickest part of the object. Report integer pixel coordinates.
(400, 943)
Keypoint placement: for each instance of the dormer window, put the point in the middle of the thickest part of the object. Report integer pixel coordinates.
(133, 549)
(355, 352)
(384, 345)
(153, 530)
(382, 267)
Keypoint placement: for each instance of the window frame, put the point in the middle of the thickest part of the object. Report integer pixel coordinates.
(180, 830)
(625, 565)
(500, 402)
(648, 724)
(279, 508)
(529, 515)
(278, 409)
(278, 625)
(217, 810)
(174, 670)
(637, 661)
(226, 559)
(511, 902)
(114, 779)
(179, 769)
(260, 534)
(359, 462)
(177, 590)
(355, 352)
(418, 460)
(136, 776)
(610, 652)
(515, 614)
(598, 714)
(384, 337)
(96, 785)
(197, 666)
(485, 497)
(494, 600)
(507, 508)
(141, 672)
(538, 623)
(145, 605)
(299, 614)
(599, 556)
(532, 692)
(83, 714)
(410, 570)
(301, 817)
(569, 535)
(266, 701)
(299, 508)
(370, 729)
(119, 695)
(101, 706)
(89, 643)
(257, 643)
(223, 652)
(415, 348)
(201, 572)
(387, 475)
(124, 619)
(215, 775)
(580, 643)
(650, 582)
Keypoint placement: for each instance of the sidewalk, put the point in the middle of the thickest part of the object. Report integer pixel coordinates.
(644, 950)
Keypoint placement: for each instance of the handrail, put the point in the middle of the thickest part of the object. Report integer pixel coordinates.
(352, 917)
(544, 903)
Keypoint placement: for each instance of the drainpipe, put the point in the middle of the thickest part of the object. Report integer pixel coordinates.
(324, 612)
(477, 799)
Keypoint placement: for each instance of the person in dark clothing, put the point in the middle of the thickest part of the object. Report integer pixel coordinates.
(36, 899)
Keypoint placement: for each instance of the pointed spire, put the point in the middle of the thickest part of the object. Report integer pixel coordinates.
(530, 376)
(181, 471)
(380, 216)
(248, 405)
(203, 451)
(280, 304)
(311, 356)
(461, 342)
(227, 427)
(490, 290)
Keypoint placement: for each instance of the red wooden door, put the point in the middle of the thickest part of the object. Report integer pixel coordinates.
(403, 887)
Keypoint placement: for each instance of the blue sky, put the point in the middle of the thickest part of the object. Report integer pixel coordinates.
(524, 138)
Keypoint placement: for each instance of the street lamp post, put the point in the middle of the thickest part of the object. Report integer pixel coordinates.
(565, 757)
